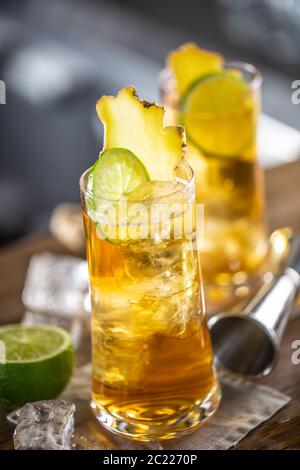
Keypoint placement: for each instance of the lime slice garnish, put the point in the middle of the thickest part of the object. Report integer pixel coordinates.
(36, 363)
(116, 173)
(218, 112)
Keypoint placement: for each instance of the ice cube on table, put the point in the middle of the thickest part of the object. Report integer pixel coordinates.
(55, 292)
(56, 283)
(44, 425)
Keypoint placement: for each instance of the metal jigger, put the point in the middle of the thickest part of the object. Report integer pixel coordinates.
(247, 343)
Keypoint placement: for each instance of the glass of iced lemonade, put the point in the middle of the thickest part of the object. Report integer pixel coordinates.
(153, 371)
(219, 104)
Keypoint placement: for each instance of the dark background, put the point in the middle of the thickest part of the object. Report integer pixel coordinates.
(57, 57)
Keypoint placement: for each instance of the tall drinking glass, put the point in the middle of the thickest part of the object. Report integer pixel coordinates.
(229, 182)
(153, 371)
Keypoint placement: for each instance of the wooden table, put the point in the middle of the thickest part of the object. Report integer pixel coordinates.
(283, 202)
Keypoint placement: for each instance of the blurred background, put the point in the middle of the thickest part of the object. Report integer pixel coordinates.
(57, 57)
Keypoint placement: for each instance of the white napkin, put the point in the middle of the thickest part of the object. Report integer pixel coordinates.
(244, 406)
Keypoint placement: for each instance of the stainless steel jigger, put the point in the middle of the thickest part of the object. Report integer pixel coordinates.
(247, 343)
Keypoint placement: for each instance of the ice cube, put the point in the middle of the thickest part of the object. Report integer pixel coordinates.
(156, 189)
(55, 291)
(44, 425)
(55, 284)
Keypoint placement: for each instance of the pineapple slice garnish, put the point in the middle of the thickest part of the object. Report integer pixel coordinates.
(189, 63)
(138, 126)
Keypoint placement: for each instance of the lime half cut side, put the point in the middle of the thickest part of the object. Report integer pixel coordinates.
(36, 364)
(219, 114)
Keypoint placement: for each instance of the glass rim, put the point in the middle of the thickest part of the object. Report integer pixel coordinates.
(256, 81)
(189, 184)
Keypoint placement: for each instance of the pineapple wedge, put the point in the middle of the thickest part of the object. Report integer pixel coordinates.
(189, 63)
(138, 126)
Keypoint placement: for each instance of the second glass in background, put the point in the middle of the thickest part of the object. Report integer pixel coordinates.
(229, 182)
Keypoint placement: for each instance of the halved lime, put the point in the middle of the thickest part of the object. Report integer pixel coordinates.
(36, 363)
(218, 112)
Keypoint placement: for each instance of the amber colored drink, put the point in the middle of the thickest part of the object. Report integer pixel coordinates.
(153, 372)
(234, 249)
